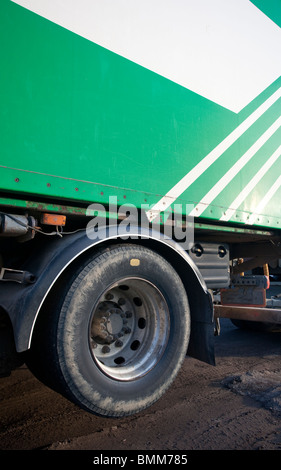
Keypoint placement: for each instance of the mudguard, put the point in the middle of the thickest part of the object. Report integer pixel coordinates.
(23, 301)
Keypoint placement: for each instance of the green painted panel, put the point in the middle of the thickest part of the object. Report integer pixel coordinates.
(81, 123)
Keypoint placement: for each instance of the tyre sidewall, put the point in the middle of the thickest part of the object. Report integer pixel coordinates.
(86, 382)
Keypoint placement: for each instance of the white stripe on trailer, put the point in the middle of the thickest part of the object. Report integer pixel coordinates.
(225, 50)
(251, 185)
(269, 195)
(166, 201)
(234, 170)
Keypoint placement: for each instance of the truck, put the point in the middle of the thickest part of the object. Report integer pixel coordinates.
(140, 188)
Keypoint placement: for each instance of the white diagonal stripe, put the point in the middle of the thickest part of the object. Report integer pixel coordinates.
(229, 175)
(209, 159)
(250, 186)
(181, 40)
(264, 201)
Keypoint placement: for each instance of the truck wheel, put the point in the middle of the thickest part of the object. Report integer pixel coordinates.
(122, 332)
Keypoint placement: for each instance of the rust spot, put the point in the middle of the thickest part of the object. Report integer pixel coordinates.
(48, 184)
(76, 189)
(17, 180)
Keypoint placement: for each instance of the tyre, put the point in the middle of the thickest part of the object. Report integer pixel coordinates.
(118, 339)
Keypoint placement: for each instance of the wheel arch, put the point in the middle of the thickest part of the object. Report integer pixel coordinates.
(60, 258)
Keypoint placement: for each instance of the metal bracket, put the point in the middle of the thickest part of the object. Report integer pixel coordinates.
(250, 280)
(14, 275)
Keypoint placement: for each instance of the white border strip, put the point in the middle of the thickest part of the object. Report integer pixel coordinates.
(250, 186)
(234, 170)
(166, 201)
(264, 201)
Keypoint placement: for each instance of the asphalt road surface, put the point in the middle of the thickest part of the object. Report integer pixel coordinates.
(235, 405)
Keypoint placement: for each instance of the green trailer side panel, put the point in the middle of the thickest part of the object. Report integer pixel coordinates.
(80, 123)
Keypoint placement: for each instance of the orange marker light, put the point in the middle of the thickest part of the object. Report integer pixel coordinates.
(53, 219)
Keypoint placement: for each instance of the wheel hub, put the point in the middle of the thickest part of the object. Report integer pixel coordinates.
(109, 323)
(129, 329)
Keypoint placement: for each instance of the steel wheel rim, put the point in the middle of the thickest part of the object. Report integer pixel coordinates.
(129, 329)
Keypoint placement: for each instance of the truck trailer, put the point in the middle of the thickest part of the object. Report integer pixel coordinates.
(140, 188)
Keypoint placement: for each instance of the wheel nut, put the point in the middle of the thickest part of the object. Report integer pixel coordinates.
(126, 330)
(118, 344)
(105, 349)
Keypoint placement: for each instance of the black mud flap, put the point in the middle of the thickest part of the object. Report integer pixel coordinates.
(202, 337)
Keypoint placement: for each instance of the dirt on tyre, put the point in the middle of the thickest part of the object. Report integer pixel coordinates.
(120, 333)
